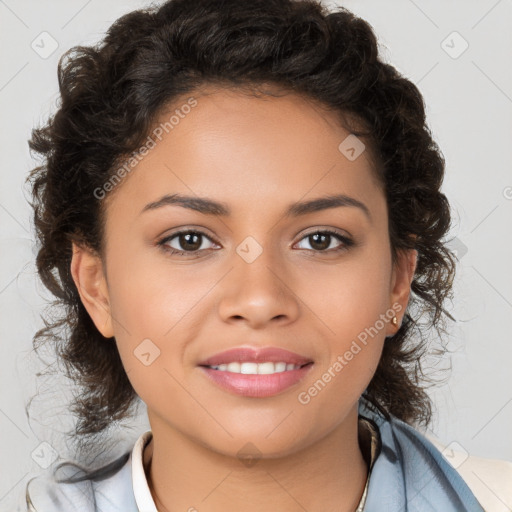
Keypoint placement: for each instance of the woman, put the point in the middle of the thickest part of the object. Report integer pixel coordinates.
(236, 202)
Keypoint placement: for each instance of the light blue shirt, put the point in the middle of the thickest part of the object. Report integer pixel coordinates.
(409, 475)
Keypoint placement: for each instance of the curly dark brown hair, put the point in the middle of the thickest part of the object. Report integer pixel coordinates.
(110, 97)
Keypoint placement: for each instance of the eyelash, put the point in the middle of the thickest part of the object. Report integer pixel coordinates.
(346, 242)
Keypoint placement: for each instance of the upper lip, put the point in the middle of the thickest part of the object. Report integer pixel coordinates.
(255, 355)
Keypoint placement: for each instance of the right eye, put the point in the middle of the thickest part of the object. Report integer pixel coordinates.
(191, 242)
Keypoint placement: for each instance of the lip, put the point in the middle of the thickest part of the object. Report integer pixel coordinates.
(251, 385)
(256, 355)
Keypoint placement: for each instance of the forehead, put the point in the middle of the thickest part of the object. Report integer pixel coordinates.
(235, 146)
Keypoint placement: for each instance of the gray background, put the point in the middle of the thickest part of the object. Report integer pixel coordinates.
(469, 107)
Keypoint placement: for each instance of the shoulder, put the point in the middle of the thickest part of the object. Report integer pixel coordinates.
(108, 489)
(489, 479)
(410, 473)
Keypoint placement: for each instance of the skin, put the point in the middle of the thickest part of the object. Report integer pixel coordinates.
(256, 155)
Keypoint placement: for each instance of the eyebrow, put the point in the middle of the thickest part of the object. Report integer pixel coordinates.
(211, 207)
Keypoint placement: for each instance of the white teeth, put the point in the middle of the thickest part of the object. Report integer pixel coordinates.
(233, 367)
(267, 368)
(281, 367)
(249, 368)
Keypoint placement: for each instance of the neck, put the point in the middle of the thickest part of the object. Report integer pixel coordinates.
(328, 475)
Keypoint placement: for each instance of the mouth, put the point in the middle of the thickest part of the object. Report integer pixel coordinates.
(247, 368)
(256, 373)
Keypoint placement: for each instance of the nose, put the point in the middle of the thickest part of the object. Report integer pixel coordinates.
(258, 293)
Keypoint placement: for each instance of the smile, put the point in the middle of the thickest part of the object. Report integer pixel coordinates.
(267, 368)
(256, 372)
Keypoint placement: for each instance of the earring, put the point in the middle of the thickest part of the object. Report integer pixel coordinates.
(394, 321)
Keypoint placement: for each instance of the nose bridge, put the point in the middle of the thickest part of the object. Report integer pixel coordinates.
(256, 288)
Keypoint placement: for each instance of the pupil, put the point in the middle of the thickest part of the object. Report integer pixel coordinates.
(187, 237)
(315, 241)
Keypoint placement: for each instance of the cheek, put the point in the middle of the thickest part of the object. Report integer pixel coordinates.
(150, 297)
(349, 298)
(341, 377)
(350, 310)
(158, 311)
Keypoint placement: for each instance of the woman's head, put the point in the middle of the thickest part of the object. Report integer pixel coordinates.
(255, 106)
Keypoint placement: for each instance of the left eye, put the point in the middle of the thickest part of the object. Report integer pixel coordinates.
(321, 241)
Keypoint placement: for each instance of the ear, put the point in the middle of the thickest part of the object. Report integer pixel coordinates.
(401, 279)
(89, 278)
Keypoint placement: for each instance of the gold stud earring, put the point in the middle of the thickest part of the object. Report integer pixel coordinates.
(394, 321)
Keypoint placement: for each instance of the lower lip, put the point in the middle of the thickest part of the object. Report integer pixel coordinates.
(258, 386)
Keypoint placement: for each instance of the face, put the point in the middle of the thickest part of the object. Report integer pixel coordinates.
(258, 270)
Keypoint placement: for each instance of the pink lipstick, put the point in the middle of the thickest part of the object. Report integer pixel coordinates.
(254, 372)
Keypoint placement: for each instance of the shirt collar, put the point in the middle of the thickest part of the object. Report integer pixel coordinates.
(141, 490)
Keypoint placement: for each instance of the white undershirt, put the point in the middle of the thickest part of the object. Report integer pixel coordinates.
(141, 490)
